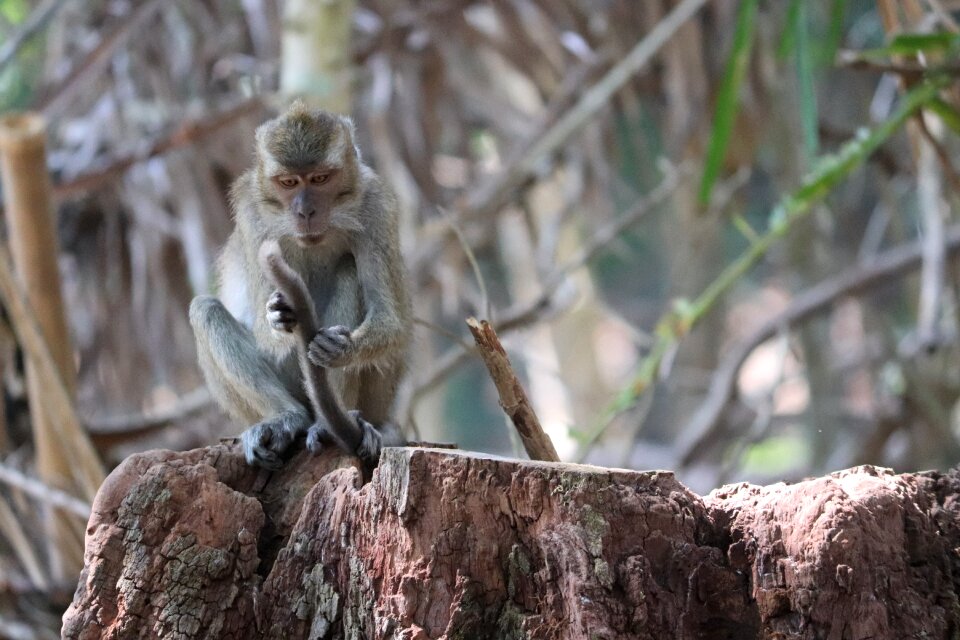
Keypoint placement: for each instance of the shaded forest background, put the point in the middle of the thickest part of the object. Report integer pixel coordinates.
(727, 253)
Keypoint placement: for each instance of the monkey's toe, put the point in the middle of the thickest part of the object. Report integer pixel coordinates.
(372, 442)
(264, 458)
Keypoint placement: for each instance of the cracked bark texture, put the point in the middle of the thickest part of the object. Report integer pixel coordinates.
(444, 544)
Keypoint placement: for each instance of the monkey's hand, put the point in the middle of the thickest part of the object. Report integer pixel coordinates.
(332, 347)
(265, 442)
(280, 315)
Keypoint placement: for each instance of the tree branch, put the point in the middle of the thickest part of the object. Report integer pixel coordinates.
(894, 262)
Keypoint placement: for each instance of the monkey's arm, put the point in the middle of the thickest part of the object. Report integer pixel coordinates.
(245, 383)
(383, 336)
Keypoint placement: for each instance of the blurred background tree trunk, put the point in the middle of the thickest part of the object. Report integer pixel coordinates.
(316, 61)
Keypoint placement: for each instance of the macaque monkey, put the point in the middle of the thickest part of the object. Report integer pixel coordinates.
(333, 223)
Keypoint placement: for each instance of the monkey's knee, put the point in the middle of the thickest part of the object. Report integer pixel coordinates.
(206, 311)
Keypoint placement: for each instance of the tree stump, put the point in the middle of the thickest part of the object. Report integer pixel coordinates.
(454, 545)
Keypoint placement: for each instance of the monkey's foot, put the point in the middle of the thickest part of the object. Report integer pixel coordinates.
(331, 347)
(265, 443)
(280, 315)
(372, 442)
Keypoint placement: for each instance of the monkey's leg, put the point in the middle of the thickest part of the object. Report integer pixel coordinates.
(378, 389)
(246, 383)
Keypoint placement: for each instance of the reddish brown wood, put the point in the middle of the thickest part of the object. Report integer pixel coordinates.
(449, 545)
(513, 399)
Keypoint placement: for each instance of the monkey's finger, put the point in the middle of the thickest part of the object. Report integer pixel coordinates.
(334, 343)
(319, 357)
(316, 439)
(260, 456)
(278, 304)
(323, 343)
(282, 321)
(266, 458)
(277, 296)
(332, 347)
(338, 331)
(324, 354)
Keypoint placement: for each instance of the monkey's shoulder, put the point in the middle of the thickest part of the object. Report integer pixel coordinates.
(378, 199)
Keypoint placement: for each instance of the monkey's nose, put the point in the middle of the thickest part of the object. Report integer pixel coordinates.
(306, 215)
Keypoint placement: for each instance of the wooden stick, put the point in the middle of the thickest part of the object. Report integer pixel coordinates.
(513, 398)
(33, 241)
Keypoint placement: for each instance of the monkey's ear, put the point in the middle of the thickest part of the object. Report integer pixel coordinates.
(351, 132)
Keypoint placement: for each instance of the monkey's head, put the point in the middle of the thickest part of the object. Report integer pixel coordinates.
(308, 174)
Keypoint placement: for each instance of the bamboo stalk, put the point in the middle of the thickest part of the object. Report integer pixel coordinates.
(315, 61)
(34, 248)
(513, 398)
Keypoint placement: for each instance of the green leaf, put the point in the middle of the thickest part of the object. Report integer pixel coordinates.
(788, 39)
(808, 100)
(911, 44)
(834, 33)
(949, 115)
(14, 11)
(729, 96)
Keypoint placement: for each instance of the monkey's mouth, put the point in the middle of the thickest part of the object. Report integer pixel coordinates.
(310, 239)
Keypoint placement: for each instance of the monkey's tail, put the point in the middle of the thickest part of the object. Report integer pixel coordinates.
(292, 286)
(322, 396)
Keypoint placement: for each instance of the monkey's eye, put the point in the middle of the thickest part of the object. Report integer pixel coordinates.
(287, 182)
(319, 178)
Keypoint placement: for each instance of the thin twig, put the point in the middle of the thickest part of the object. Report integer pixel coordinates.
(44, 492)
(942, 154)
(934, 270)
(909, 71)
(893, 262)
(187, 133)
(492, 195)
(12, 528)
(107, 430)
(472, 259)
(58, 97)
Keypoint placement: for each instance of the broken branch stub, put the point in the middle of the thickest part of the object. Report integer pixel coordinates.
(513, 398)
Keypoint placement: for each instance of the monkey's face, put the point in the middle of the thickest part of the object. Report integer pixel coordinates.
(308, 166)
(311, 198)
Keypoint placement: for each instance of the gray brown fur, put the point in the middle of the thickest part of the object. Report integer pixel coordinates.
(355, 277)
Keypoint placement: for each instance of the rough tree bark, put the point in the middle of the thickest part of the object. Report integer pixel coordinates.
(448, 544)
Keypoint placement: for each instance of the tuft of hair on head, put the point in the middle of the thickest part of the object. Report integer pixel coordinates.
(298, 107)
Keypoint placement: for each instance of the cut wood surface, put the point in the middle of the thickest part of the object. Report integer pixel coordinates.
(445, 544)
